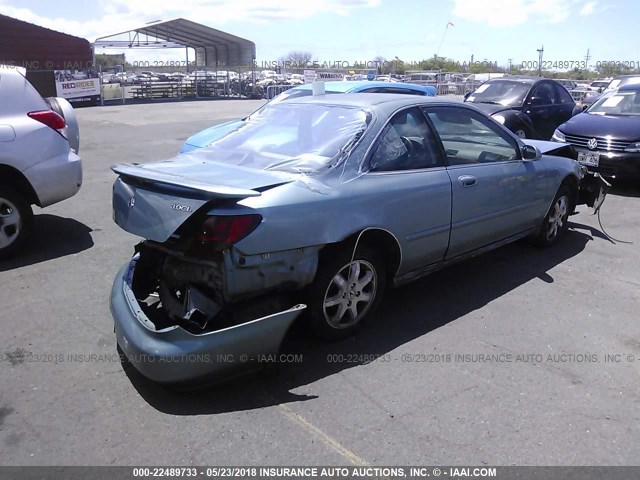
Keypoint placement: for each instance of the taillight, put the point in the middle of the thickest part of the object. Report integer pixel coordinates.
(220, 232)
(49, 118)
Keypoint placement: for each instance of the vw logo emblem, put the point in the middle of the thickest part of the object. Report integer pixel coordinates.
(132, 202)
(592, 144)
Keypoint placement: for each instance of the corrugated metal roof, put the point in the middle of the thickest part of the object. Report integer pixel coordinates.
(218, 46)
(39, 48)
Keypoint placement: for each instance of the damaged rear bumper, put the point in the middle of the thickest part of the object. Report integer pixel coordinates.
(175, 356)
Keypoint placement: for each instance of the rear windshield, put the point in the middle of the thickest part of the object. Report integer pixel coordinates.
(293, 137)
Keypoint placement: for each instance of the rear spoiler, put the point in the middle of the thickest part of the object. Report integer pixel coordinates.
(139, 172)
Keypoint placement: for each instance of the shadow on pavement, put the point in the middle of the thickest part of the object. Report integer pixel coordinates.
(624, 188)
(405, 314)
(52, 237)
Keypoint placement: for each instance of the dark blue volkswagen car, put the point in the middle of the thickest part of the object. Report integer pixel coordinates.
(607, 135)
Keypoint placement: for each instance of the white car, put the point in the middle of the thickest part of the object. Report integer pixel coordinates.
(39, 165)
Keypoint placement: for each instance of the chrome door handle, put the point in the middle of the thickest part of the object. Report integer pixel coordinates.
(468, 180)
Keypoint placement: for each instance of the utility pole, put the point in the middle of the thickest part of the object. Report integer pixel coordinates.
(540, 52)
(510, 62)
(587, 57)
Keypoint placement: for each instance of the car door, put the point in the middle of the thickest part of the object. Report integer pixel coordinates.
(540, 106)
(565, 105)
(493, 189)
(410, 188)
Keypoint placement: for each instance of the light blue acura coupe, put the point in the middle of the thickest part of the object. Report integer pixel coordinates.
(316, 205)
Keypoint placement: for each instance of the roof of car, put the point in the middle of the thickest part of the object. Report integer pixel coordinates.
(350, 86)
(12, 70)
(520, 78)
(630, 86)
(364, 100)
(629, 75)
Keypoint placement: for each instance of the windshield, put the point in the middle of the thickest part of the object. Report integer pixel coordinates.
(300, 138)
(503, 92)
(625, 103)
(619, 82)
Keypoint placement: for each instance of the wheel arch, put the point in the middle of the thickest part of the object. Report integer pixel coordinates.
(573, 183)
(520, 119)
(382, 240)
(16, 179)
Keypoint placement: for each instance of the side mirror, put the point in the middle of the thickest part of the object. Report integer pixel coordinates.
(529, 152)
(535, 101)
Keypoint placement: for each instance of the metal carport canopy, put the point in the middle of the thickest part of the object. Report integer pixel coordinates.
(215, 47)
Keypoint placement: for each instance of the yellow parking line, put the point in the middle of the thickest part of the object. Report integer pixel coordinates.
(325, 438)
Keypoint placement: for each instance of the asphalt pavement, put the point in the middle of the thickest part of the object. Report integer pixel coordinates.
(518, 357)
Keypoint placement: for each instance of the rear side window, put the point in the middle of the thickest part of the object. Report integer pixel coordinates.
(563, 95)
(406, 143)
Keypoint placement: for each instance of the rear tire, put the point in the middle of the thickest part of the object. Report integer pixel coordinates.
(555, 223)
(345, 292)
(16, 220)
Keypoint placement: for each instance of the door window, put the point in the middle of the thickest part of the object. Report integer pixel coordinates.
(468, 137)
(543, 94)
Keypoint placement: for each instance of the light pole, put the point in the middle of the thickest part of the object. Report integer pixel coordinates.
(540, 52)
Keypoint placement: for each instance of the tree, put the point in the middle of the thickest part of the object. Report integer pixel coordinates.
(107, 61)
(382, 65)
(296, 59)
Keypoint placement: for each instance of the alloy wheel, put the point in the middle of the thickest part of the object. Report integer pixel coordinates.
(557, 217)
(10, 222)
(350, 294)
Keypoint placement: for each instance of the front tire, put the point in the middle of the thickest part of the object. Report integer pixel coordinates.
(555, 223)
(16, 219)
(520, 133)
(345, 291)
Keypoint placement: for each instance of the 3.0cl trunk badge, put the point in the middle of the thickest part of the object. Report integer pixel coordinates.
(181, 208)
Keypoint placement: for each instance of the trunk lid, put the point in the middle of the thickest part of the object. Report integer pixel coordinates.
(154, 199)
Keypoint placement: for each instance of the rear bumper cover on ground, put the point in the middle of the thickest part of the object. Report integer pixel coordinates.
(175, 356)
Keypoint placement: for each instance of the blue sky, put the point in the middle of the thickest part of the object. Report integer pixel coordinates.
(350, 30)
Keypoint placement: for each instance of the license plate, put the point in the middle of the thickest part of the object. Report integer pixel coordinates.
(590, 159)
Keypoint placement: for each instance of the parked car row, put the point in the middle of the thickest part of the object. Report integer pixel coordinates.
(605, 133)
